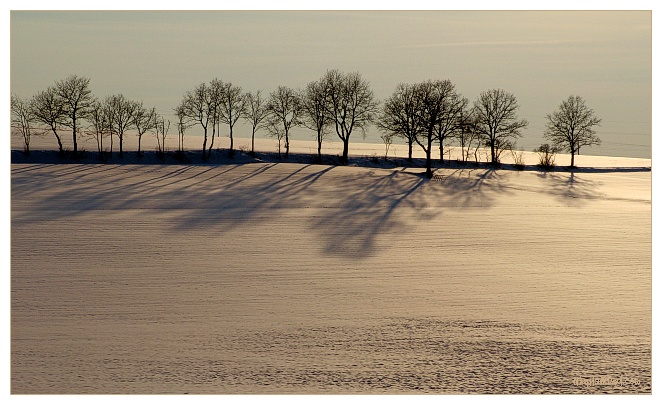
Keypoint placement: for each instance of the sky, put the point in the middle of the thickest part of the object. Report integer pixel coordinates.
(542, 57)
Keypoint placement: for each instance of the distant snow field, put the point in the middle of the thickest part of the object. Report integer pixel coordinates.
(293, 278)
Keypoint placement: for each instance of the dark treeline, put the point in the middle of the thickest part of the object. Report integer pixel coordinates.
(430, 114)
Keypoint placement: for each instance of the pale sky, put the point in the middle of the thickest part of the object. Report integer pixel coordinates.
(542, 57)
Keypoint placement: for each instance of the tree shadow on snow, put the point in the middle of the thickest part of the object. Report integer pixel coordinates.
(347, 213)
(569, 187)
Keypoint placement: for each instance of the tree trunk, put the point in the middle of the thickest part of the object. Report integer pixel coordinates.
(492, 150)
(74, 136)
(231, 143)
(213, 135)
(287, 144)
(59, 142)
(345, 150)
(411, 144)
(428, 164)
(75, 147)
(319, 146)
(441, 150)
(204, 144)
(572, 159)
(121, 150)
(253, 142)
(428, 158)
(140, 137)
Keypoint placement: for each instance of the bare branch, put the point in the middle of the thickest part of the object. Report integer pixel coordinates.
(571, 126)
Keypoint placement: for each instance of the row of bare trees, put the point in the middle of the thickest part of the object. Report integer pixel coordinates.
(60, 107)
(434, 112)
(337, 101)
(70, 105)
(429, 113)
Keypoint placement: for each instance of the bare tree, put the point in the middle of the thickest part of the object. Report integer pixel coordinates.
(284, 109)
(99, 125)
(546, 155)
(121, 116)
(352, 105)
(76, 100)
(143, 120)
(465, 134)
(232, 107)
(401, 115)
(182, 125)
(23, 121)
(387, 138)
(161, 127)
(216, 93)
(434, 98)
(451, 117)
(276, 130)
(495, 112)
(314, 102)
(571, 127)
(256, 112)
(518, 158)
(195, 108)
(49, 110)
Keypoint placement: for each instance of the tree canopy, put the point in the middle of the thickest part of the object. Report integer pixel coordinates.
(571, 126)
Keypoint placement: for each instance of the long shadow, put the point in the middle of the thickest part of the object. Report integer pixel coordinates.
(568, 187)
(472, 187)
(352, 229)
(236, 201)
(47, 177)
(604, 169)
(348, 212)
(56, 191)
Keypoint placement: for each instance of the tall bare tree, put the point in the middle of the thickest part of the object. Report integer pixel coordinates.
(276, 130)
(495, 114)
(465, 133)
(76, 100)
(451, 117)
(143, 120)
(284, 107)
(161, 128)
(121, 116)
(195, 107)
(216, 91)
(314, 103)
(571, 127)
(182, 124)
(432, 96)
(23, 121)
(256, 112)
(387, 138)
(99, 125)
(401, 115)
(232, 107)
(48, 110)
(352, 105)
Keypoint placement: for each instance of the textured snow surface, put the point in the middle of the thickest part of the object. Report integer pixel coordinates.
(290, 278)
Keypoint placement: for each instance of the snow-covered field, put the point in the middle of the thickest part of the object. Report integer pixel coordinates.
(295, 278)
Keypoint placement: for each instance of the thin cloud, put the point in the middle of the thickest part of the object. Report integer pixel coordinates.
(494, 43)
